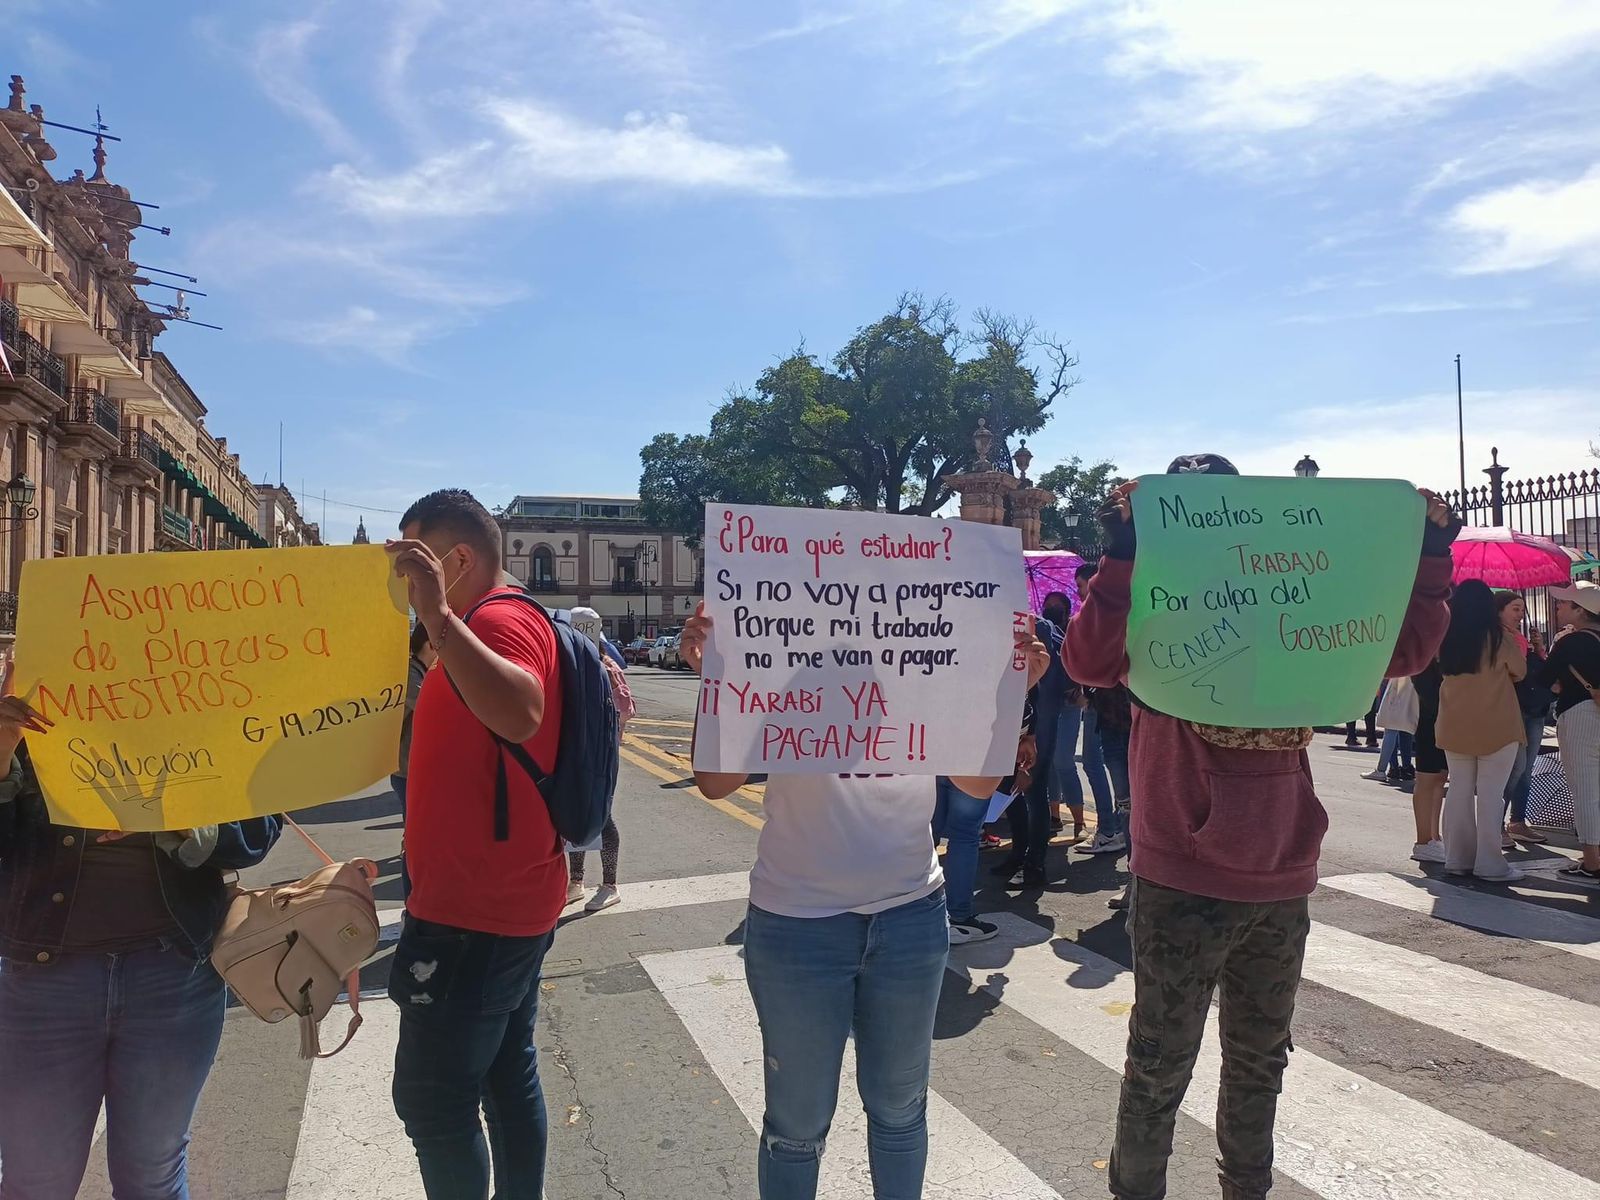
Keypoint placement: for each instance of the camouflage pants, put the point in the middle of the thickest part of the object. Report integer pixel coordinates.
(1185, 947)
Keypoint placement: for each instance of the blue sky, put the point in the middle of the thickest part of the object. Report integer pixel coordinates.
(501, 243)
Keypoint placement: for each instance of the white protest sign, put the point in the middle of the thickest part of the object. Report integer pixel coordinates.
(850, 642)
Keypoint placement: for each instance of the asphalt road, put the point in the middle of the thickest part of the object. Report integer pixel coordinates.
(1448, 1044)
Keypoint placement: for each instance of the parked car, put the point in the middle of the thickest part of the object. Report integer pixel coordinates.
(637, 651)
(672, 656)
(658, 650)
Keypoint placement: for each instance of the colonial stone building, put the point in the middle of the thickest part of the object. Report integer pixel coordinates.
(280, 521)
(597, 551)
(103, 446)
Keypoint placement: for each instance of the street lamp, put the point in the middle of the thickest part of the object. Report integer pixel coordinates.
(1070, 520)
(1307, 468)
(20, 492)
(647, 559)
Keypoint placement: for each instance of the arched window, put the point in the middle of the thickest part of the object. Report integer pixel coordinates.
(542, 571)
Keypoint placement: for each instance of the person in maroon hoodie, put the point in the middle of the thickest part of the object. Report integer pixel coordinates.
(1223, 848)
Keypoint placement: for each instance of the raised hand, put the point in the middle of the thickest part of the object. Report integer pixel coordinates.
(692, 641)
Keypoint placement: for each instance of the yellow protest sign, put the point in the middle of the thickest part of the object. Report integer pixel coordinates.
(190, 689)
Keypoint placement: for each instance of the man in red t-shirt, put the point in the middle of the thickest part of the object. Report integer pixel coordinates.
(485, 896)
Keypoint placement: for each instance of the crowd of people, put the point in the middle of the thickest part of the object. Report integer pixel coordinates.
(105, 995)
(1465, 734)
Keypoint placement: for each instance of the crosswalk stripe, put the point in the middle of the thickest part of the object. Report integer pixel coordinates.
(706, 989)
(351, 1141)
(1555, 1033)
(1338, 1133)
(1451, 902)
(641, 896)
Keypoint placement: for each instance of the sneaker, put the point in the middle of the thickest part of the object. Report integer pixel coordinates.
(1428, 852)
(1523, 834)
(1119, 902)
(1579, 871)
(990, 841)
(1055, 825)
(1102, 844)
(1032, 877)
(574, 891)
(1509, 875)
(971, 930)
(1377, 777)
(604, 897)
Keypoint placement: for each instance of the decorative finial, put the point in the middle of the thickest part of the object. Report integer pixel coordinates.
(18, 91)
(981, 440)
(1023, 457)
(361, 532)
(99, 175)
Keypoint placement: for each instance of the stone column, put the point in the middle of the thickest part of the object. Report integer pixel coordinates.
(1027, 501)
(982, 489)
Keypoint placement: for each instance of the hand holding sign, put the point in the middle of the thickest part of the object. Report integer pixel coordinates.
(844, 641)
(1263, 603)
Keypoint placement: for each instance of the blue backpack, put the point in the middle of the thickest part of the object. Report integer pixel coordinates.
(578, 788)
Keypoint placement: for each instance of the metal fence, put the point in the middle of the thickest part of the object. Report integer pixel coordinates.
(1563, 508)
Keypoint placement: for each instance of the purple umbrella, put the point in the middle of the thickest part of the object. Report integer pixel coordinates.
(1050, 571)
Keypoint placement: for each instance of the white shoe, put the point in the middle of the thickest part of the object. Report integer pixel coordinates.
(574, 892)
(1377, 776)
(973, 930)
(1428, 852)
(604, 897)
(1102, 844)
(1509, 875)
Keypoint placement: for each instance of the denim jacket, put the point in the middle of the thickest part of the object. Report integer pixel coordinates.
(40, 862)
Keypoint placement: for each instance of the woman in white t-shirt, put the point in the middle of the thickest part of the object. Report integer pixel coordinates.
(846, 930)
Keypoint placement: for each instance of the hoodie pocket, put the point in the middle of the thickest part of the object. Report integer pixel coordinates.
(1261, 822)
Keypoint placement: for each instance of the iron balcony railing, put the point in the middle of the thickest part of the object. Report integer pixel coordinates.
(140, 447)
(543, 585)
(8, 612)
(28, 352)
(626, 587)
(86, 406)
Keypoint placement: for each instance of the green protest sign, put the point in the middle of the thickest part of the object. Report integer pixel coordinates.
(1263, 602)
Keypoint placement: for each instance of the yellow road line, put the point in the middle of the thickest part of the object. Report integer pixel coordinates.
(755, 792)
(652, 768)
(675, 724)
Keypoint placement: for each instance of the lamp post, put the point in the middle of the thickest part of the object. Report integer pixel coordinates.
(647, 559)
(1307, 468)
(1070, 520)
(20, 492)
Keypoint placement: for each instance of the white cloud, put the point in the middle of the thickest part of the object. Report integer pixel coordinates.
(365, 331)
(279, 59)
(1533, 224)
(808, 27)
(1253, 66)
(1409, 308)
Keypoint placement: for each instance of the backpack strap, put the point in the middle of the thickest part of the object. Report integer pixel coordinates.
(502, 794)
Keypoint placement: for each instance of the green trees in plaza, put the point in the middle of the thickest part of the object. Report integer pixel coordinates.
(879, 425)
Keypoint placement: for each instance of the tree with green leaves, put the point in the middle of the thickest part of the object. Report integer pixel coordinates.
(879, 426)
(1080, 491)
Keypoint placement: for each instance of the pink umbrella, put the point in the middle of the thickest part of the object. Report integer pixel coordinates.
(1505, 558)
(1051, 571)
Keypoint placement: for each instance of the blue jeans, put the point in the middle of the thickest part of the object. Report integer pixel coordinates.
(1096, 767)
(958, 818)
(1065, 786)
(815, 982)
(1522, 773)
(1030, 816)
(138, 1031)
(1114, 748)
(1396, 751)
(467, 1007)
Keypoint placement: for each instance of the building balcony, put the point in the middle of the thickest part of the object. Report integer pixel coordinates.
(91, 425)
(8, 612)
(626, 587)
(136, 459)
(177, 527)
(543, 585)
(39, 376)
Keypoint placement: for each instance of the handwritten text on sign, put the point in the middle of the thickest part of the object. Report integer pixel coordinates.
(849, 641)
(189, 689)
(1265, 603)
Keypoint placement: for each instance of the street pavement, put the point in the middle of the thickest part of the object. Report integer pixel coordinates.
(1447, 1041)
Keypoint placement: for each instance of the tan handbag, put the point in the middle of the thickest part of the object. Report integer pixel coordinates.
(288, 950)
